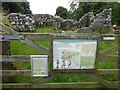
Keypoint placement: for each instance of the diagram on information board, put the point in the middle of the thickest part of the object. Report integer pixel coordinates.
(74, 54)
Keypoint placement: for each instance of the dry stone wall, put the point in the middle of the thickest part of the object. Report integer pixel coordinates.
(43, 20)
(22, 22)
(89, 22)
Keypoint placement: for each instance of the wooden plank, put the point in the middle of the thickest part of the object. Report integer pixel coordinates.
(56, 85)
(36, 46)
(38, 36)
(28, 72)
(53, 85)
(14, 58)
(102, 81)
(102, 35)
(68, 85)
(104, 58)
(16, 72)
(103, 53)
(16, 85)
(26, 58)
(8, 29)
(108, 71)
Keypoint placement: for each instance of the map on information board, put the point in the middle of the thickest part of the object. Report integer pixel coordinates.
(74, 53)
(39, 65)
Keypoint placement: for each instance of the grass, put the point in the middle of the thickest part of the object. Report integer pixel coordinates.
(19, 79)
(45, 30)
(43, 43)
(108, 64)
(70, 78)
(22, 65)
(104, 45)
(51, 30)
(19, 48)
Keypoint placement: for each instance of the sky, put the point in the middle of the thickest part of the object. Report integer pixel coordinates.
(47, 6)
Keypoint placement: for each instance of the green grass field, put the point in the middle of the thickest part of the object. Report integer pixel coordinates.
(19, 48)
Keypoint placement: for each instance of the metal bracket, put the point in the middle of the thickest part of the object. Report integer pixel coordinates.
(11, 37)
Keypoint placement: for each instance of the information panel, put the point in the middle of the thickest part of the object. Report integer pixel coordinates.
(74, 53)
(39, 65)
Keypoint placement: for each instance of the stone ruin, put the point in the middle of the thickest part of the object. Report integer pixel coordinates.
(87, 23)
(22, 22)
(57, 23)
(28, 22)
(101, 20)
(64, 24)
(43, 20)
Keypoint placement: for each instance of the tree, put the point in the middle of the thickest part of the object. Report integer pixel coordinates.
(95, 7)
(81, 10)
(17, 7)
(62, 12)
(116, 13)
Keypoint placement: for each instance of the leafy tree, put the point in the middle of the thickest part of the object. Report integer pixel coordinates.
(95, 7)
(116, 13)
(15, 7)
(62, 12)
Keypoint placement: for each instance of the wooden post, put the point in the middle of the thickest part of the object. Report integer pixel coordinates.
(5, 47)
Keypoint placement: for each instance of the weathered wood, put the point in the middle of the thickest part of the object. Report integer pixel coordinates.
(18, 58)
(103, 35)
(25, 58)
(28, 72)
(34, 45)
(102, 81)
(8, 29)
(68, 85)
(108, 71)
(53, 85)
(38, 36)
(56, 85)
(16, 72)
(104, 58)
(103, 53)
(16, 85)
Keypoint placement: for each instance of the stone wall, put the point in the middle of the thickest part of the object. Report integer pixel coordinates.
(64, 24)
(101, 21)
(22, 22)
(88, 22)
(43, 20)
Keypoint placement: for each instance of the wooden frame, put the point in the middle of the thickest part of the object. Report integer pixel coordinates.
(79, 37)
(36, 64)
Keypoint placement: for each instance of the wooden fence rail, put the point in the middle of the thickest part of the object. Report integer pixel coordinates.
(57, 85)
(103, 53)
(26, 58)
(28, 72)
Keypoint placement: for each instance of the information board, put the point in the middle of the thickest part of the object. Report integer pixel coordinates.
(39, 65)
(74, 54)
